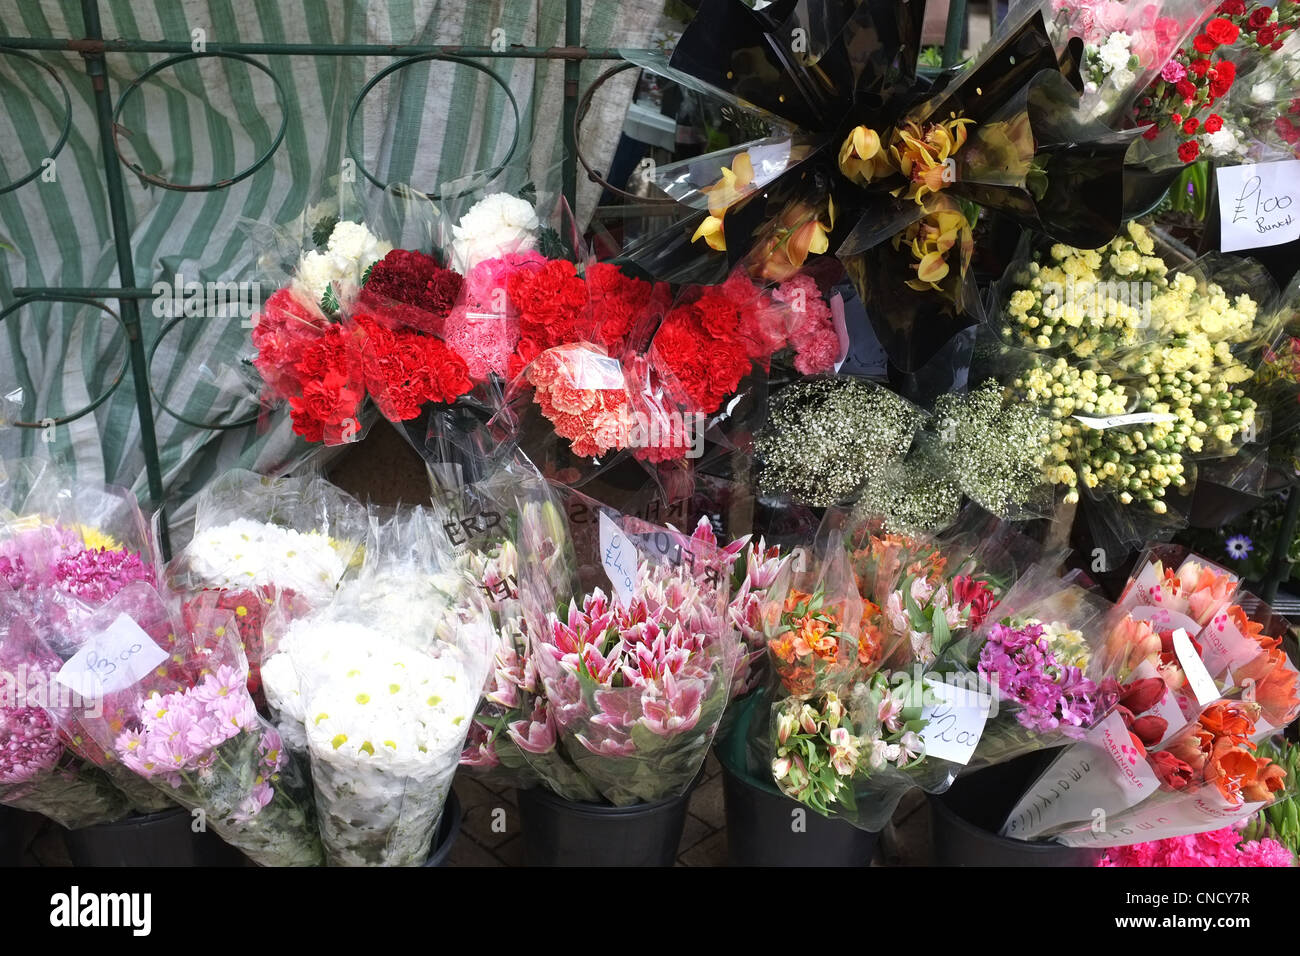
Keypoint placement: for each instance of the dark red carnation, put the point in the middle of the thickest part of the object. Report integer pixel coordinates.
(1232, 8)
(1186, 89)
(1267, 34)
(1213, 123)
(1260, 17)
(1199, 66)
(1221, 77)
(1189, 150)
(1191, 125)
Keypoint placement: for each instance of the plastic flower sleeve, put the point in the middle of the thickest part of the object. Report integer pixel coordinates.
(381, 686)
(37, 772)
(636, 682)
(1124, 46)
(1035, 653)
(174, 709)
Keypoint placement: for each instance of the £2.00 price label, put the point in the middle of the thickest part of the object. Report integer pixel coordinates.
(115, 658)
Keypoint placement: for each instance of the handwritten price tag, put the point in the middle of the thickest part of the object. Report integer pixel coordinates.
(1119, 421)
(618, 555)
(955, 723)
(1258, 204)
(113, 659)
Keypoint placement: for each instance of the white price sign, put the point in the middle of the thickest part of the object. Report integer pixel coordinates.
(955, 723)
(618, 555)
(1258, 204)
(115, 658)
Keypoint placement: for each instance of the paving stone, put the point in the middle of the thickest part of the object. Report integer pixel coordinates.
(712, 851)
(706, 803)
(694, 831)
(466, 852)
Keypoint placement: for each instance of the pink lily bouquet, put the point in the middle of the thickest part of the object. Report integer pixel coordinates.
(635, 681)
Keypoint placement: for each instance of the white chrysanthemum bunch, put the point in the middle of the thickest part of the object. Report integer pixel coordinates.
(384, 723)
(250, 554)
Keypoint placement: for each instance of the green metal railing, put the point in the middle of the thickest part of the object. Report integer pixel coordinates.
(94, 49)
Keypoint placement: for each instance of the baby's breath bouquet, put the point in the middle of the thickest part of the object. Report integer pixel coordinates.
(1138, 368)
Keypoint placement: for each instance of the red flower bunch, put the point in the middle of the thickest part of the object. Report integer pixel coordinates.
(622, 305)
(404, 370)
(552, 303)
(310, 362)
(408, 289)
(698, 350)
(1262, 27)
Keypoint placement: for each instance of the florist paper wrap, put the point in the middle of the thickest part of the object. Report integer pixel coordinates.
(635, 681)
(380, 689)
(173, 706)
(1199, 681)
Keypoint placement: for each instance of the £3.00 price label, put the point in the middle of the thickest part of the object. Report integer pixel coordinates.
(115, 658)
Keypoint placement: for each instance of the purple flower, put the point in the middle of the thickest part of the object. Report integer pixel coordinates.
(1173, 72)
(1020, 663)
(1238, 546)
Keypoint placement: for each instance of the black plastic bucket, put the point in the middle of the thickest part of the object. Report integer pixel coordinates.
(560, 832)
(764, 827)
(13, 829)
(448, 831)
(154, 839)
(966, 819)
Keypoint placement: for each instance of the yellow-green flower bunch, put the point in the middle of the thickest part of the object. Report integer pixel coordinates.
(1087, 301)
(1114, 333)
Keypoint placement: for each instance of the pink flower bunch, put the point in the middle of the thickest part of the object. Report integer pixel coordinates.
(1215, 848)
(29, 743)
(484, 329)
(812, 336)
(638, 690)
(179, 732)
(96, 575)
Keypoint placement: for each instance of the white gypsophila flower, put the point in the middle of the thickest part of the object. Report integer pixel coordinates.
(494, 226)
(247, 553)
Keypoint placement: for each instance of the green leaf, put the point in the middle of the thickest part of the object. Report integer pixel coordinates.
(942, 635)
(329, 302)
(320, 233)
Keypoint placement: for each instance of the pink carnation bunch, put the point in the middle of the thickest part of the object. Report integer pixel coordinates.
(1214, 848)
